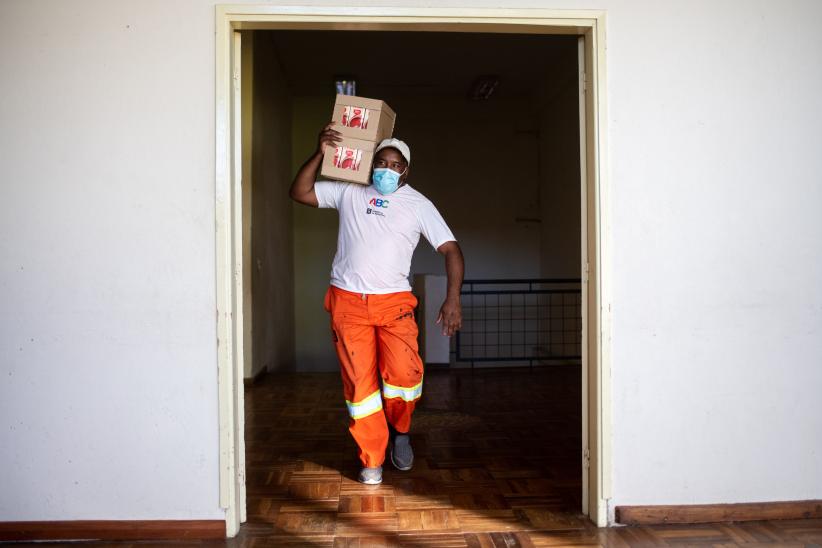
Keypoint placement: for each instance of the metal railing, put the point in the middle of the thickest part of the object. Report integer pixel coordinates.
(535, 320)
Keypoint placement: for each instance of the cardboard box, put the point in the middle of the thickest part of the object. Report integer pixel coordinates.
(350, 161)
(362, 118)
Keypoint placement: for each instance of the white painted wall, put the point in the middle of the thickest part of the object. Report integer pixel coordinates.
(108, 399)
(715, 177)
(107, 353)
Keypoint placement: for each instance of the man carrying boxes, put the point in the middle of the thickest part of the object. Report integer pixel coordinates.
(369, 298)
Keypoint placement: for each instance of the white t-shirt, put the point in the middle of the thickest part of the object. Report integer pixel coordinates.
(378, 234)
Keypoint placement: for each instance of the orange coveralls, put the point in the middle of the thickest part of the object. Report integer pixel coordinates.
(376, 333)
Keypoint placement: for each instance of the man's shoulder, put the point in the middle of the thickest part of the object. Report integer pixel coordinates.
(332, 183)
(414, 195)
(341, 187)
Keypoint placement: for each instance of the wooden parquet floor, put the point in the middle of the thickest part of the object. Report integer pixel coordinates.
(497, 465)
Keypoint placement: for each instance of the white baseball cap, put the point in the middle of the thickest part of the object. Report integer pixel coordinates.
(395, 143)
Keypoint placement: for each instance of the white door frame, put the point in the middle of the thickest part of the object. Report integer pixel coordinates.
(596, 264)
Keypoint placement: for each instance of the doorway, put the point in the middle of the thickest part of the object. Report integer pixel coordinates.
(230, 230)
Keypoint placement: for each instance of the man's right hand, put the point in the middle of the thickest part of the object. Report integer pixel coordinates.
(328, 138)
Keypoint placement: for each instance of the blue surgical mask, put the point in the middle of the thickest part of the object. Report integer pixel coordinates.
(385, 180)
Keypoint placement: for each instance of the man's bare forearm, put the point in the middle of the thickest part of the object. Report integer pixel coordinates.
(454, 270)
(450, 315)
(302, 189)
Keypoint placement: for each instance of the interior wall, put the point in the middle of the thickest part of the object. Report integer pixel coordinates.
(560, 234)
(272, 247)
(107, 238)
(108, 346)
(714, 184)
(478, 163)
(247, 105)
(315, 241)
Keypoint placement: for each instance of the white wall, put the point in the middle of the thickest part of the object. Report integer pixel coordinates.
(715, 177)
(109, 404)
(108, 399)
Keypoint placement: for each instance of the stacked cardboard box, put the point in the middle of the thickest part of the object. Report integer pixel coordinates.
(363, 123)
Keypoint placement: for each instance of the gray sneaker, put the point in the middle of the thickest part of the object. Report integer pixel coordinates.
(371, 476)
(402, 456)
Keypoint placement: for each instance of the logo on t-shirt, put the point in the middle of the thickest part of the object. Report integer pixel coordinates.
(378, 202)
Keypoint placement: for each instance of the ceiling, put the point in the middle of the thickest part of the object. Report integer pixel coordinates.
(421, 63)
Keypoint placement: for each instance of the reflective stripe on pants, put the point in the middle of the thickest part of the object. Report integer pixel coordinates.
(407, 394)
(368, 406)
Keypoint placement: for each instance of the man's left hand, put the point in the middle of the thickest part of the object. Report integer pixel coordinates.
(450, 316)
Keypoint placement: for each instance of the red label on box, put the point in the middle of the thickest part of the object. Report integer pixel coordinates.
(355, 117)
(347, 158)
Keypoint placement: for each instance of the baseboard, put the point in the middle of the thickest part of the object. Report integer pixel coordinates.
(254, 379)
(708, 513)
(113, 530)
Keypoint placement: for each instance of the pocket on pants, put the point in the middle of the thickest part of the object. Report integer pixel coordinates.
(327, 300)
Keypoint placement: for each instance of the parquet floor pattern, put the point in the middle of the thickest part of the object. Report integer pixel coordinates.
(495, 460)
(497, 465)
